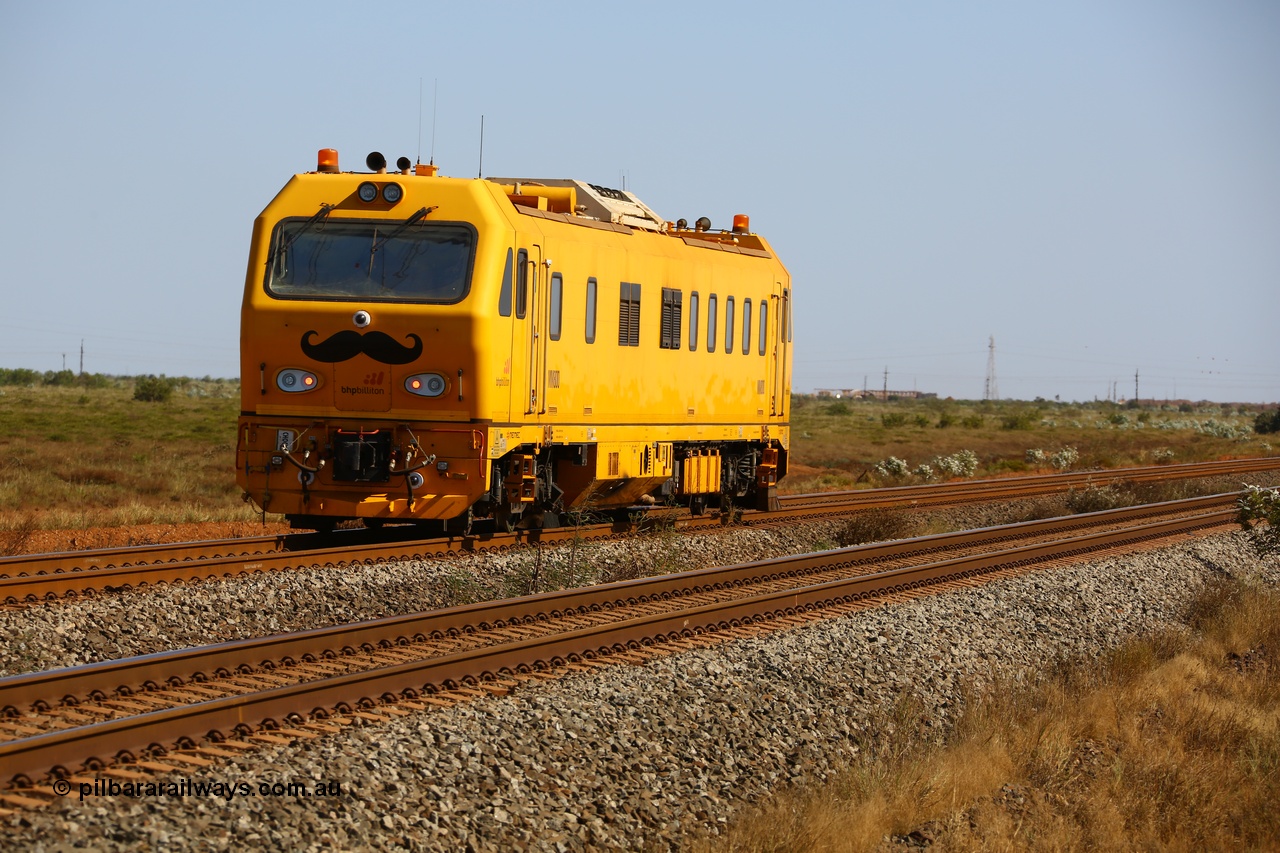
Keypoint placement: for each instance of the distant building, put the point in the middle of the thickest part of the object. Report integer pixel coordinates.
(874, 394)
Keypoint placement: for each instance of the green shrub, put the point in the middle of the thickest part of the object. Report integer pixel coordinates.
(1259, 505)
(152, 389)
(1026, 419)
(18, 376)
(1064, 458)
(1267, 422)
(962, 463)
(891, 420)
(1221, 430)
(892, 467)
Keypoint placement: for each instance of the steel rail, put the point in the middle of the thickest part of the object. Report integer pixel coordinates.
(56, 575)
(56, 562)
(1038, 483)
(64, 561)
(55, 585)
(60, 751)
(49, 688)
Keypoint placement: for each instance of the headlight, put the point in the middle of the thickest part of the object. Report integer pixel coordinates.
(426, 384)
(367, 192)
(296, 381)
(391, 193)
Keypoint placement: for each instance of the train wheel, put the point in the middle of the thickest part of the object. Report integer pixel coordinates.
(627, 519)
(460, 526)
(318, 523)
(504, 520)
(537, 519)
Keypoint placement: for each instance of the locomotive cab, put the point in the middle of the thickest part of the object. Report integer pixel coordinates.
(424, 348)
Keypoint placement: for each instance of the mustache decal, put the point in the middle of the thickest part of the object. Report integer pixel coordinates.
(346, 344)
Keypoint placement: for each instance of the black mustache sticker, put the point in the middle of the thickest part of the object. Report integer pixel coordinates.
(346, 344)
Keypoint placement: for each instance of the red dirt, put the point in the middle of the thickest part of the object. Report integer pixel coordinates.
(47, 541)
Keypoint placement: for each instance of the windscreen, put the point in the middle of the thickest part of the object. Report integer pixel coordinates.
(361, 259)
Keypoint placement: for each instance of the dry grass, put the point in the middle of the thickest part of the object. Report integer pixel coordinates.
(1171, 743)
(74, 458)
(878, 525)
(836, 444)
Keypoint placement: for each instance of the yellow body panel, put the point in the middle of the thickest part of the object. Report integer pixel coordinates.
(511, 384)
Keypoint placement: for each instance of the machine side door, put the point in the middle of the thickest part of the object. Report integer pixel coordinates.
(535, 314)
(780, 320)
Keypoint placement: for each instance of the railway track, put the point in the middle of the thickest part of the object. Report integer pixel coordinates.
(152, 714)
(1040, 484)
(44, 577)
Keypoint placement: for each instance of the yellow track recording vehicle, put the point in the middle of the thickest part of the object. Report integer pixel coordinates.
(416, 348)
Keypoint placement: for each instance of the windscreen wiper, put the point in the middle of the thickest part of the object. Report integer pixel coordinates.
(420, 214)
(322, 213)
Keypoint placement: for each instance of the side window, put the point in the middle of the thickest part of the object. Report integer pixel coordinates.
(693, 321)
(764, 324)
(522, 283)
(504, 296)
(711, 323)
(746, 326)
(629, 315)
(591, 310)
(553, 323)
(672, 308)
(728, 324)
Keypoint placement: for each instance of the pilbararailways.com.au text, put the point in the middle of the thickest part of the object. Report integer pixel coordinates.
(211, 789)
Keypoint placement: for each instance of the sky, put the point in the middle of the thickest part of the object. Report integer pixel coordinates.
(1094, 187)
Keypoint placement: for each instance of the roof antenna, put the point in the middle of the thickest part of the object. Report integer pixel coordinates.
(419, 160)
(435, 99)
(480, 171)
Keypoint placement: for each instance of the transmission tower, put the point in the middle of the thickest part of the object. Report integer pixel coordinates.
(992, 391)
